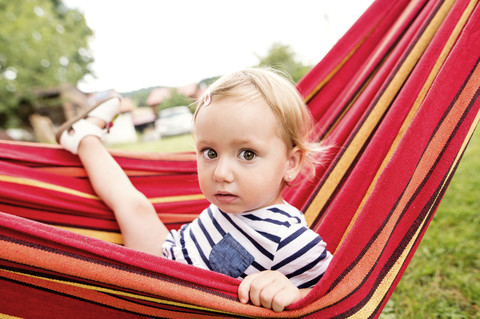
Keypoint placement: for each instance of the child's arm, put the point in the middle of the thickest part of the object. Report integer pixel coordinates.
(270, 289)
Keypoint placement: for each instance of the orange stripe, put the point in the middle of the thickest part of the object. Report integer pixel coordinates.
(112, 237)
(80, 171)
(436, 68)
(375, 116)
(339, 118)
(380, 291)
(32, 144)
(356, 275)
(177, 218)
(49, 186)
(5, 316)
(182, 295)
(64, 171)
(384, 287)
(66, 190)
(179, 198)
(116, 238)
(155, 156)
(335, 70)
(86, 292)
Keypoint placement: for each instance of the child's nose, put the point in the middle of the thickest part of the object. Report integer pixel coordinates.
(223, 171)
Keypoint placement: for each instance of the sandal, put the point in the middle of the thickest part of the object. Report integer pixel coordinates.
(106, 110)
(81, 129)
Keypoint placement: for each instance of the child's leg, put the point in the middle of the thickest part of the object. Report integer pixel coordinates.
(140, 226)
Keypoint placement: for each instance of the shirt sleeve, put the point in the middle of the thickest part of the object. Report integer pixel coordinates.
(302, 256)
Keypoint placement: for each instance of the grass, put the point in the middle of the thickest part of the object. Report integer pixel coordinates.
(443, 278)
(180, 143)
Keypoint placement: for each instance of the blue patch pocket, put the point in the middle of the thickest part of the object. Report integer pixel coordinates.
(229, 257)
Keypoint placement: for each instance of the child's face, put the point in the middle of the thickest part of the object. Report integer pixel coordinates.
(241, 158)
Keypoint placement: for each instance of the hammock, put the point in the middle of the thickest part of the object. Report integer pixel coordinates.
(397, 96)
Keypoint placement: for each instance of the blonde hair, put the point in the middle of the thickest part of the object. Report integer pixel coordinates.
(296, 122)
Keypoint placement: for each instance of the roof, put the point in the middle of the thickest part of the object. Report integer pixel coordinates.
(126, 104)
(159, 94)
(143, 115)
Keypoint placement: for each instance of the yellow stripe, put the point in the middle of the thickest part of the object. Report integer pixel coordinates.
(115, 238)
(340, 65)
(423, 92)
(383, 288)
(334, 71)
(4, 316)
(193, 298)
(66, 190)
(118, 293)
(349, 106)
(371, 122)
(35, 183)
(179, 198)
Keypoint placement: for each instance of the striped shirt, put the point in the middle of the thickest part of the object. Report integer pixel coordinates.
(272, 238)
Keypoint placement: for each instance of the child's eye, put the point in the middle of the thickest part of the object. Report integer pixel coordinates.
(247, 155)
(209, 153)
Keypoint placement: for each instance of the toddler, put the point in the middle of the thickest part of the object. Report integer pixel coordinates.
(252, 137)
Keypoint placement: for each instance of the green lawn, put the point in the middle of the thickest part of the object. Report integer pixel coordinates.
(443, 278)
(181, 143)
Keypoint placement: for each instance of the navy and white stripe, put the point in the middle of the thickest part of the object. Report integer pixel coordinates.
(277, 237)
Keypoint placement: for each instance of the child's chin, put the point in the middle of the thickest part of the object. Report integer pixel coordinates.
(230, 209)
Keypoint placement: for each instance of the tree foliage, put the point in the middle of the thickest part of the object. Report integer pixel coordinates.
(175, 99)
(42, 44)
(140, 96)
(282, 57)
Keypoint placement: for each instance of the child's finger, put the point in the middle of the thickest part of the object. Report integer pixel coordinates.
(268, 294)
(261, 288)
(244, 288)
(282, 299)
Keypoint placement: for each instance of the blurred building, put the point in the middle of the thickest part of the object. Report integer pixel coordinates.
(158, 95)
(123, 130)
(56, 105)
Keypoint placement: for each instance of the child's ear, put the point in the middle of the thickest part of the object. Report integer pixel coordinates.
(294, 164)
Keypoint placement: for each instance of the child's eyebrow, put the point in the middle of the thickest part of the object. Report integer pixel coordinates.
(203, 141)
(248, 142)
(243, 141)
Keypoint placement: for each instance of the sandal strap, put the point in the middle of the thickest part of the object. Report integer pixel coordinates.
(81, 129)
(107, 110)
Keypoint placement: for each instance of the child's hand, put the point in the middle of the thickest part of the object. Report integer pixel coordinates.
(270, 289)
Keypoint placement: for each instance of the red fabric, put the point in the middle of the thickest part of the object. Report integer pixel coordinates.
(357, 183)
(336, 96)
(431, 120)
(59, 270)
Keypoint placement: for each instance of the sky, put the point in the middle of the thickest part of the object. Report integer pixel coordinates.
(145, 43)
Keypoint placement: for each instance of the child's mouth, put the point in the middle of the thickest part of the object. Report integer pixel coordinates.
(225, 197)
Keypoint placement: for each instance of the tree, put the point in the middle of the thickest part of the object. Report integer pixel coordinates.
(282, 57)
(175, 99)
(139, 97)
(42, 44)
